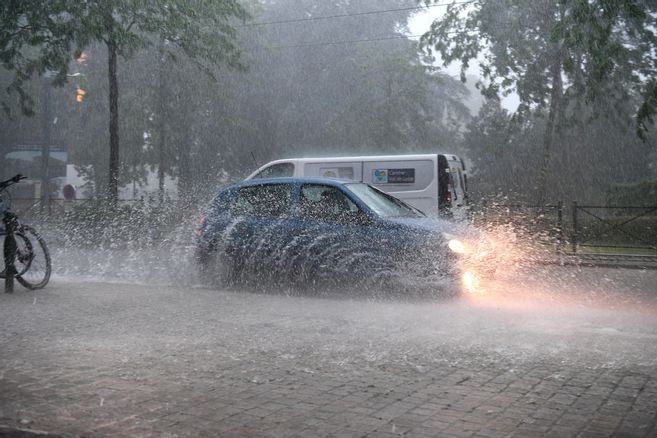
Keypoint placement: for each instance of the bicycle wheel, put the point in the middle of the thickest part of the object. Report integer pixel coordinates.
(32, 259)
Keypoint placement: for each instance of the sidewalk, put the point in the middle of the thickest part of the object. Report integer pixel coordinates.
(120, 360)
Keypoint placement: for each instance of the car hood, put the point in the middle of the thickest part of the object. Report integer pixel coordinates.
(435, 226)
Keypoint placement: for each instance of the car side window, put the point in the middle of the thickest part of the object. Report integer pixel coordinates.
(327, 204)
(270, 200)
(280, 170)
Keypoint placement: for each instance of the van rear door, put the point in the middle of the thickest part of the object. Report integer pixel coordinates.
(445, 191)
(456, 169)
(458, 185)
(452, 186)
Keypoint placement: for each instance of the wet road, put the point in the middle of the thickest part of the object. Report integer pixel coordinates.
(552, 351)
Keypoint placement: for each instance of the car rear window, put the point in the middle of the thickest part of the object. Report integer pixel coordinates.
(270, 200)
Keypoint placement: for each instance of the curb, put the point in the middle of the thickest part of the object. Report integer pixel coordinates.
(14, 432)
(603, 261)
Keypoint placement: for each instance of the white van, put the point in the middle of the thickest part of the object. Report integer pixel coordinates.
(433, 183)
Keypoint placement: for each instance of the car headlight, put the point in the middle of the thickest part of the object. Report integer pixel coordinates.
(456, 245)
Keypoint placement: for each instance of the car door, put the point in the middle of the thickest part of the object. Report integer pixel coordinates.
(258, 215)
(335, 236)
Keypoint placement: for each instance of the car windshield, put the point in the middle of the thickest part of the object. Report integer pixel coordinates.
(381, 203)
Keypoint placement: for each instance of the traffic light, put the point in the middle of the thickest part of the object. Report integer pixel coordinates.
(79, 94)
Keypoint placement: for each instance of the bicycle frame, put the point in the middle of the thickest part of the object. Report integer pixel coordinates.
(9, 248)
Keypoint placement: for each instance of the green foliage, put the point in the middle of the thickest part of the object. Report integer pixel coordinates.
(38, 37)
(582, 65)
(604, 48)
(201, 29)
(35, 38)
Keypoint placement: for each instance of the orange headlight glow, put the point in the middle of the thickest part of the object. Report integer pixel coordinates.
(470, 281)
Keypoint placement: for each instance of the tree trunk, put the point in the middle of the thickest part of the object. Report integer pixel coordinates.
(161, 128)
(113, 187)
(548, 136)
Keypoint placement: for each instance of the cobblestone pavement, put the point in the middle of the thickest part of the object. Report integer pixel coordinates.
(520, 359)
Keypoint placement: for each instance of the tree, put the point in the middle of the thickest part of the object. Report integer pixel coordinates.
(305, 92)
(37, 37)
(402, 104)
(350, 84)
(552, 53)
(594, 155)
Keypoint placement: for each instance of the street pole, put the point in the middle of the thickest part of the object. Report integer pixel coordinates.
(45, 148)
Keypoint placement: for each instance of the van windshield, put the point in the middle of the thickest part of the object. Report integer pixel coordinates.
(381, 203)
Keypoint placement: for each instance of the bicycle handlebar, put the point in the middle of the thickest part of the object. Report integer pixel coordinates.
(13, 180)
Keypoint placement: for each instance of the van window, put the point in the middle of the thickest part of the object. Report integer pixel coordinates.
(337, 172)
(280, 170)
(350, 171)
(454, 180)
(454, 185)
(270, 200)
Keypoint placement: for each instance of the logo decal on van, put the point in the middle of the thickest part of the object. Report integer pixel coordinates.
(380, 176)
(393, 176)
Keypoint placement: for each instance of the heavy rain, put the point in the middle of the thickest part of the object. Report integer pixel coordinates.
(368, 218)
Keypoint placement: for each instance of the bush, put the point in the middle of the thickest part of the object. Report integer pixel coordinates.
(640, 194)
(138, 224)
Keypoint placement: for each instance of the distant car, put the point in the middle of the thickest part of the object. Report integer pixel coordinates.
(317, 231)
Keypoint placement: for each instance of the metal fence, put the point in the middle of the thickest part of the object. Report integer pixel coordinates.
(627, 229)
(578, 229)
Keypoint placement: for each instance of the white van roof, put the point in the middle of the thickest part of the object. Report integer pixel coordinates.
(362, 158)
(365, 158)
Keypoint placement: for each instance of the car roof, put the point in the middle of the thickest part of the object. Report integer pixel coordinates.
(290, 180)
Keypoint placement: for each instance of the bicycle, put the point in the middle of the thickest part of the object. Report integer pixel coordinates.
(26, 256)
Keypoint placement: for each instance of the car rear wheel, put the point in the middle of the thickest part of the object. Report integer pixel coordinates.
(215, 267)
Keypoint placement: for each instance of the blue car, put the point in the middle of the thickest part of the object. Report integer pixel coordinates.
(324, 232)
